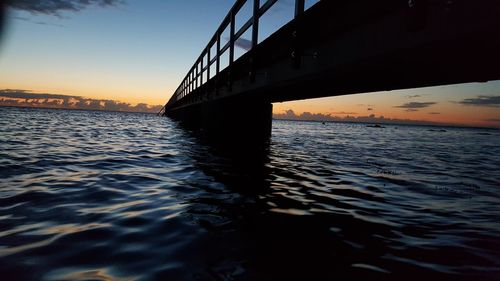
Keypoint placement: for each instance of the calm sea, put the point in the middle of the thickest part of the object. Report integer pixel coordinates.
(121, 196)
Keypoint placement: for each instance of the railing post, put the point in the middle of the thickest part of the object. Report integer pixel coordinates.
(197, 74)
(217, 64)
(192, 80)
(218, 55)
(299, 7)
(231, 49)
(201, 79)
(255, 24)
(255, 37)
(208, 63)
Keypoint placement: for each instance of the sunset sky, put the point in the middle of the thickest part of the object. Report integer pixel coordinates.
(138, 52)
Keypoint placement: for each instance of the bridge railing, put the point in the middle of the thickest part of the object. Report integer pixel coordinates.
(202, 67)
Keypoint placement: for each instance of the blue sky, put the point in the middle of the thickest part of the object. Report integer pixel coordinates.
(148, 46)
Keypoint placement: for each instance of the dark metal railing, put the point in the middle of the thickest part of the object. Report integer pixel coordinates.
(205, 61)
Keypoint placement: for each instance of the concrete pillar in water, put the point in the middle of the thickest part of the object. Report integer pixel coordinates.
(235, 120)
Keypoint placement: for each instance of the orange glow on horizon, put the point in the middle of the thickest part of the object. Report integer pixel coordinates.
(130, 96)
(390, 107)
(443, 109)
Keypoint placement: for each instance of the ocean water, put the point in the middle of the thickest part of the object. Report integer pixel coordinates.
(123, 196)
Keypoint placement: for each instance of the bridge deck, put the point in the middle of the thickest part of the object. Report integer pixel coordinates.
(355, 46)
(358, 46)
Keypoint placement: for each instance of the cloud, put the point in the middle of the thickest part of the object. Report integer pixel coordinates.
(56, 7)
(434, 113)
(290, 114)
(415, 106)
(493, 120)
(369, 109)
(9, 97)
(307, 116)
(489, 101)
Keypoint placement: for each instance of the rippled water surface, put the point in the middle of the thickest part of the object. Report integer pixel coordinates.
(121, 196)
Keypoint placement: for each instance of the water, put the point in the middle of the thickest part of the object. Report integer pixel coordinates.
(121, 196)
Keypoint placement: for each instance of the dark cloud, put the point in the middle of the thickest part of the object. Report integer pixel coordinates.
(415, 106)
(307, 116)
(489, 101)
(370, 109)
(26, 98)
(434, 113)
(56, 7)
(25, 94)
(493, 120)
(244, 44)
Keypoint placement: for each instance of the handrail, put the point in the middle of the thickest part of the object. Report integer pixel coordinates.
(204, 62)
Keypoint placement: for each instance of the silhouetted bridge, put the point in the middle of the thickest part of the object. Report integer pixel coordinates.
(337, 47)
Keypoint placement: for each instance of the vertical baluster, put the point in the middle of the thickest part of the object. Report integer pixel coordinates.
(190, 81)
(201, 79)
(299, 7)
(255, 37)
(218, 54)
(197, 74)
(231, 39)
(231, 49)
(255, 24)
(217, 64)
(208, 63)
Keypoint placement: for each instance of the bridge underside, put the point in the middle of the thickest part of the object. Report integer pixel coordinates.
(347, 47)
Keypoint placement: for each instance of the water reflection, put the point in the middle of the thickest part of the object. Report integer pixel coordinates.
(284, 218)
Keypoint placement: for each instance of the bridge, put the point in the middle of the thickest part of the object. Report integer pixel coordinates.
(336, 47)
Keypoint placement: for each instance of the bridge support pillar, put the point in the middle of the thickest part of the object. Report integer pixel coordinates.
(234, 120)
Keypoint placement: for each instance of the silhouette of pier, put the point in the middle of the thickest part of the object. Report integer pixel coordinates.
(336, 47)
